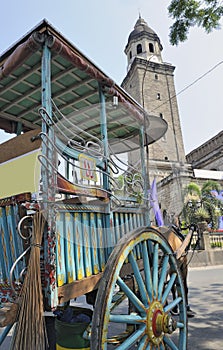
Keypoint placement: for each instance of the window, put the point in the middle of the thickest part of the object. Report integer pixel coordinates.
(130, 55)
(158, 96)
(139, 48)
(161, 115)
(151, 47)
(156, 77)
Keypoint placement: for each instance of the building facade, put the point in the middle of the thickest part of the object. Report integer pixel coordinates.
(151, 82)
(209, 155)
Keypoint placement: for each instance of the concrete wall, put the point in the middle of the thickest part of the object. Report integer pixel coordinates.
(201, 258)
(207, 255)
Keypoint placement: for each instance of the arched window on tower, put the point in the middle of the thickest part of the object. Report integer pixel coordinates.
(139, 48)
(151, 47)
(130, 55)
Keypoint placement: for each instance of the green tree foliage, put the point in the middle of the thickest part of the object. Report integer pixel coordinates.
(201, 205)
(189, 13)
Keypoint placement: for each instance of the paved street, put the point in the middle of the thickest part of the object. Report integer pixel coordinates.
(206, 298)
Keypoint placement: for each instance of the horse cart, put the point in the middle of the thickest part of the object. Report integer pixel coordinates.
(74, 208)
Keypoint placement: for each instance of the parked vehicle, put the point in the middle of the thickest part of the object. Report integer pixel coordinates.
(68, 226)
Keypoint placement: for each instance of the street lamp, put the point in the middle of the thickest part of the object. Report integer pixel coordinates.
(193, 208)
(194, 205)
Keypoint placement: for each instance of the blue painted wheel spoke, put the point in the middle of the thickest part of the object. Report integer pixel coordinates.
(171, 305)
(131, 339)
(180, 325)
(147, 270)
(170, 343)
(155, 269)
(132, 297)
(143, 343)
(163, 275)
(168, 287)
(154, 283)
(130, 319)
(139, 280)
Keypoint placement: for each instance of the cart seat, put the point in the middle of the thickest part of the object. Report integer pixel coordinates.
(67, 187)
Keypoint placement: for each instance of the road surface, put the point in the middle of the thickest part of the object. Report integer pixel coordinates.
(206, 298)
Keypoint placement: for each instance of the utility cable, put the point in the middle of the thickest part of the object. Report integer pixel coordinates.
(188, 86)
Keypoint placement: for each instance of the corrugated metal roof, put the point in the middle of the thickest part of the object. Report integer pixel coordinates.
(74, 89)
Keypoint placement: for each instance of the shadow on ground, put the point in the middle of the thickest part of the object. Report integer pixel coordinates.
(205, 330)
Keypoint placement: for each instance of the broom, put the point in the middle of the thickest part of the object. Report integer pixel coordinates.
(30, 330)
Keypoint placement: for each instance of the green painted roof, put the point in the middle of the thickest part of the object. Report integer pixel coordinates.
(74, 89)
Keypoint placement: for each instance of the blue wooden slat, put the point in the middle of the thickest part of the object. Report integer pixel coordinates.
(101, 244)
(12, 219)
(78, 246)
(116, 227)
(109, 233)
(4, 262)
(122, 223)
(6, 242)
(94, 244)
(61, 266)
(86, 242)
(69, 247)
(12, 246)
(130, 218)
(134, 221)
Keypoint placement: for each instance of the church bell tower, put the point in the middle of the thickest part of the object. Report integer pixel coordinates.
(151, 82)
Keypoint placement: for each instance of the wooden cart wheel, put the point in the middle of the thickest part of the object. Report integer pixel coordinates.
(134, 302)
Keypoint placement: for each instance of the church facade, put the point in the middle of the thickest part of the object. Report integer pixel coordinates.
(209, 155)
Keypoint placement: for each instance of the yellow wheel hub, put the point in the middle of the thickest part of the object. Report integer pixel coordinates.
(158, 323)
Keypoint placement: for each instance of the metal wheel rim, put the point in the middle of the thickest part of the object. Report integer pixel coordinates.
(156, 291)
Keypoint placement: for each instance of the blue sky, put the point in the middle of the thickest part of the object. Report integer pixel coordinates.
(100, 30)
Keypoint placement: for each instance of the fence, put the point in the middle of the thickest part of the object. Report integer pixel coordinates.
(207, 240)
(206, 249)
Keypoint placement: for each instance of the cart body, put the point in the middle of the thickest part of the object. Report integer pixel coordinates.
(70, 160)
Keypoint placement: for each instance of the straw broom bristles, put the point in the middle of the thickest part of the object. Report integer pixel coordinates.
(30, 331)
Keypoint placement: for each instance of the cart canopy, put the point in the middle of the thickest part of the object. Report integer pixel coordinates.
(74, 87)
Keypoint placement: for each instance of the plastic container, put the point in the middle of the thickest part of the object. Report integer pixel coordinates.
(69, 335)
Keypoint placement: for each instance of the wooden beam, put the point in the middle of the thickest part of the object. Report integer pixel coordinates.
(78, 288)
(19, 145)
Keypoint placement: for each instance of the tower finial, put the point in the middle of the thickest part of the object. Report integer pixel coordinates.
(139, 14)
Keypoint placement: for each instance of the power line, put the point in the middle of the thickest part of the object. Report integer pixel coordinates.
(188, 86)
